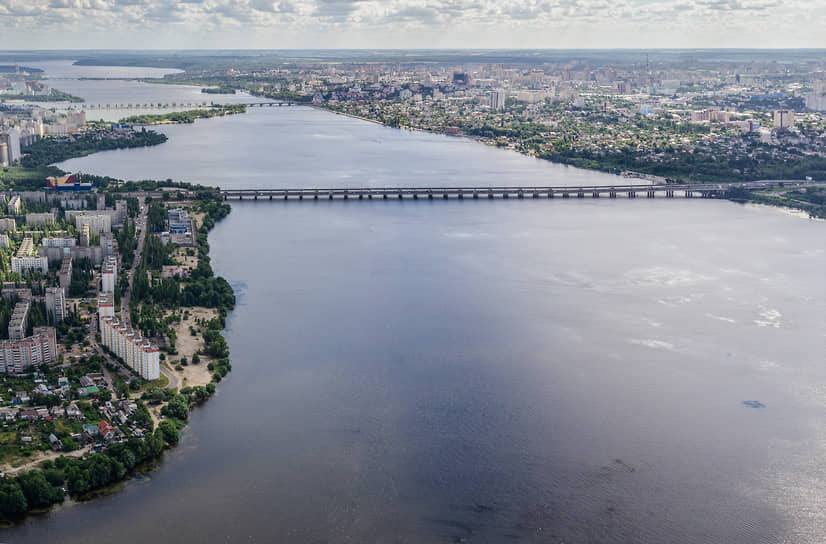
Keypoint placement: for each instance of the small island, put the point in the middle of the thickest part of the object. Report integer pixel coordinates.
(223, 89)
(183, 117)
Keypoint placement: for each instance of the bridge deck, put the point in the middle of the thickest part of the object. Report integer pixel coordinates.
(705, 190)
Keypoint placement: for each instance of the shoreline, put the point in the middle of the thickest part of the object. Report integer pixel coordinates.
(478, 139)
(197, 383)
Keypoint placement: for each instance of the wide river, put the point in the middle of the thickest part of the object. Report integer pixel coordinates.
(482, 371)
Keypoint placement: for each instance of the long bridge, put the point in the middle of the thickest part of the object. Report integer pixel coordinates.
(700, 190)
(171, 105)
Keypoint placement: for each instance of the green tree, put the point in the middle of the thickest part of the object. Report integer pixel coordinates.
(12, 499)
(169, 431)
(39, 493)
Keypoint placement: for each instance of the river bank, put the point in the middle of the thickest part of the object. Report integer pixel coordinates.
(163, 412)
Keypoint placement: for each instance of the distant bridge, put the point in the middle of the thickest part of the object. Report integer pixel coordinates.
(701, 190)
(171, 105)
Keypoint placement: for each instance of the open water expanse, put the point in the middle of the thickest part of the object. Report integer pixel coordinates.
(482, 371)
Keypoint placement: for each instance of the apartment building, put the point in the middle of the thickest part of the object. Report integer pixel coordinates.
(139, 354)
(16, 356)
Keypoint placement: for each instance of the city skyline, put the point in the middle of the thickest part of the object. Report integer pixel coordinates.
(162, 24)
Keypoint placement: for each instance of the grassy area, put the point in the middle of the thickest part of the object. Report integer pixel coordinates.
(161, 382)
(19, 177)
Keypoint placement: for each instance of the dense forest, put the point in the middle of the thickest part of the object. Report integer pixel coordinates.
(51, 150)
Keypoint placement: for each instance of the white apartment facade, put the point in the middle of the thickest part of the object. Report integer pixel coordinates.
(139, 354)
(16, 356)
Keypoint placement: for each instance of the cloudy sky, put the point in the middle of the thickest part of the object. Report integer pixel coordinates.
(207, 24)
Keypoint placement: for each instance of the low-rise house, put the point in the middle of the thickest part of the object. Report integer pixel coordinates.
(90, 432)
(86, 391)
(73, 412)
(28, 415)
(106, 430)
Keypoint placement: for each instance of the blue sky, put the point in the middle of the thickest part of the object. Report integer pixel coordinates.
(148, 24)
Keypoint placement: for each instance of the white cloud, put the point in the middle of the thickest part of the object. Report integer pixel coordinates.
(411, 23)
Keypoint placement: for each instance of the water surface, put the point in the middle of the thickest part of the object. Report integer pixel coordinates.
(482, 371)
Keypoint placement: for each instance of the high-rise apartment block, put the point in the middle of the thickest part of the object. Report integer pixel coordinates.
(19, 321)
(15, 205)
(98, 222)
(109, 274)
(26, 259)
(106, 305)
(8, 224)
(497, 99)
(55, 304)
(16, 356)
(139, 354)
(783, 119)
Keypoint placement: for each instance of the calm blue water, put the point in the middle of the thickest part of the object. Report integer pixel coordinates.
(532, 371)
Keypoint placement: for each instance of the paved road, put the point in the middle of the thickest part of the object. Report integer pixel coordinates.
(173, 378)
(140, 221)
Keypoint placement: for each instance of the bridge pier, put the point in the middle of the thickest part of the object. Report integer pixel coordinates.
(550, 193)
(580, 194)
(595, 194)
(400, 195)
(651, 194)
(444, 196)
(490, 195)
(415, 196)
(535, 194)
(361, 196)
(370, 195)
(688, 194)
(612, 194)
(461, 196)
(330, 196)
(300, 196)
(475, 195)
(565, 194)
(270, 197)
(520, 194)
(429, 195)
